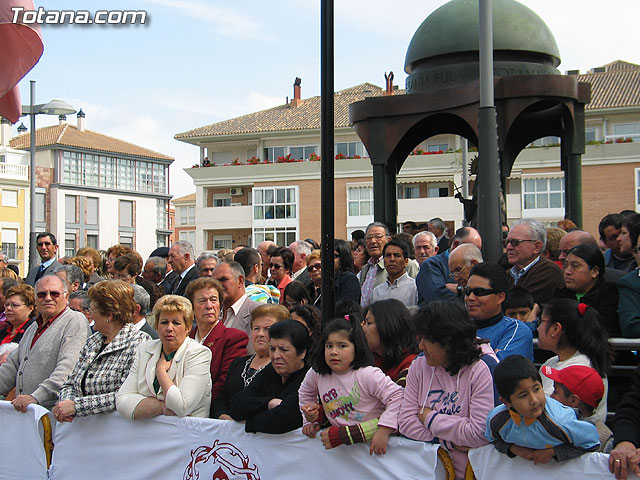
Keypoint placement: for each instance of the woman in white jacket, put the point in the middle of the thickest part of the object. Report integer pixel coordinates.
(170, 376)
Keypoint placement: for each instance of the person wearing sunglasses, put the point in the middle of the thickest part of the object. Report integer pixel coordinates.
(47, 247)
(280, 265)
(48, 350)
(484, 295)
(529, 268)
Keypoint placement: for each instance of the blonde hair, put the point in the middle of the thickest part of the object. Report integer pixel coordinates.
(279, 312)
(8, 273)
(313, 256)
(174, 303)
(81, 262)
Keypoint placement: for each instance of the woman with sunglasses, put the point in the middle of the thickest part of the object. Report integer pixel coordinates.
(314, 267)
(280, 267)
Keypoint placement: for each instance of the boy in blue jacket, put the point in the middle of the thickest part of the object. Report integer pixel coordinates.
(530, 424)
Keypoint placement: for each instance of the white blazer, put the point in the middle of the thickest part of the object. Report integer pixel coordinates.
(190, 372)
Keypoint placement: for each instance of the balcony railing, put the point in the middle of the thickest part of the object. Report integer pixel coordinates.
(14, 171)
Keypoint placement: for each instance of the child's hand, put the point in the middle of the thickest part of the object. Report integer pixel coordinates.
(324, 436)
(423, 414)
(311, 411)
(523, 452)
(380, 440)
(541, 456)
(534, 314)
(311, 429)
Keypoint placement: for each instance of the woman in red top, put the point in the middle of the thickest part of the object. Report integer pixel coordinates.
(280, 267)
(19, 308)
(391, 337)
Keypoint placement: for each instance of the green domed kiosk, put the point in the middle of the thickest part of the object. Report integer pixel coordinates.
(532, 98)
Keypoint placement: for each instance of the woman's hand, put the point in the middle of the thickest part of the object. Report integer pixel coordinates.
(163, 365)
(423, 414)
(380, 440)
(311, 412)
(273, 403)
(311, 429)
(623, 459)
(65, 410)
(167, 412)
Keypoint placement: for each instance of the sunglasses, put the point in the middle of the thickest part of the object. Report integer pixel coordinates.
(53, 294)
(274, 266)
(516, 242)
(479, 291)
(317, 266)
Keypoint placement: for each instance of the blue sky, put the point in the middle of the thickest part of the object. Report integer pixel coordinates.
(198, 62)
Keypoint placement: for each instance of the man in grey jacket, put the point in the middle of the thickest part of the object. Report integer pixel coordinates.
(48, 350)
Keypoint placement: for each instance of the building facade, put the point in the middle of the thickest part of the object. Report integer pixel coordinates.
(259, 175)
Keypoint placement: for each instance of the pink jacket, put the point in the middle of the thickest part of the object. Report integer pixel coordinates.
(354, 397)
(460, 404)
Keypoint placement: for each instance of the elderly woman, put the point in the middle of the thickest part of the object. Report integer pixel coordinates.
(107, 356)
(170, 376)
(243, 369)
(280, 267)
(270, 403)
(226, 344)
(19, 310)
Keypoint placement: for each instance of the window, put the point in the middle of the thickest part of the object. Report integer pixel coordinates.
(90, 174)
(350, 149)
(69, 244)
(221, 200)
(360, 201)
(589, 135)
(189, 236)
(271, 154)
(10, 242)
(92, 240)
(144, 174)
(126, 213)
(437, 190)
(162, 215)
(70, 209)
(126, 239)
(92, 211)
(41, 207)
(162, 240)
(187, 215)
(303, 153)
(159, 178)
(408, 191)
(108, 172)
(9, 198)
(274, 203)
(546, 142)
(627, 130)
(437, 147)
(280, 235)
(543, 193)
(71, 168)
(126, 174)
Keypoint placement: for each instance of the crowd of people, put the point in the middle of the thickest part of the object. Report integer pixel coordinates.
(427, 341)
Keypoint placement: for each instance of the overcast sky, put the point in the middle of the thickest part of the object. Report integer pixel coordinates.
(198, 62)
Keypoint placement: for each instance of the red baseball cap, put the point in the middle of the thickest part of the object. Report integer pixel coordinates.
(583, 381)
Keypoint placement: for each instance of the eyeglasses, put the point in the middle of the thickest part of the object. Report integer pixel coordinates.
(515, 242)
(635, 250)
(14, 305)
(54, 295)
(274, 266)
(479, 291)
(459, 270)
(378, 236)
(317, 266)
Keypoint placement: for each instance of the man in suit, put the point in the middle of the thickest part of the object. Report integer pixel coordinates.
(181, 261)
(301, 250)
(237, 306)
(155, 270)
(47, 246)
(142, 301)
(438, 227)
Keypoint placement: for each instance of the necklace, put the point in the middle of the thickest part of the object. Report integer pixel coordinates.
(246, 374)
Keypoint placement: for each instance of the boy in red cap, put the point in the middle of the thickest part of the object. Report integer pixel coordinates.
(581, 388)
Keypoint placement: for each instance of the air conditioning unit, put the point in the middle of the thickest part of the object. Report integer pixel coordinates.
(235, 191)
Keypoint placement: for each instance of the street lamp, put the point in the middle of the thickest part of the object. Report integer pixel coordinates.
(54, 107)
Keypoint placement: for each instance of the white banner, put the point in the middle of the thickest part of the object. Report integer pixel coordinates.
(110, 446)
(21, 442)
(489, 464)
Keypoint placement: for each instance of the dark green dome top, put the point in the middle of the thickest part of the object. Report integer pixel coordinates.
(519, 34)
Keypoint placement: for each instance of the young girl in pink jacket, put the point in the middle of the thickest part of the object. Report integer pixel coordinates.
(449, 390)
(360, 402)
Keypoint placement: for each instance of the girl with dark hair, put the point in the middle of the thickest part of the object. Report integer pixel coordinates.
(584, 281)
(574, 333)
(391, 338)
(280, 267)
(310, 317)
(449, 390)
(347, 286)
(295, 294)
(360, 402)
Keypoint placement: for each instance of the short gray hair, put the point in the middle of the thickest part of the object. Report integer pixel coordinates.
(73, 272)
(141, 297)
(378, 224)
(65, 288)
(536, 230)
(206, 256)
(301, 247)
(184, 247)
(470, 253)
(438, 223)
(236, 269)
(84, 298)
(159, 265)
(432, 238)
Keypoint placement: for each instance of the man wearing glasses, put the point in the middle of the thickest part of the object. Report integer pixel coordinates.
(48, 350)
(530, 270)
(47, 249)
(484, 294)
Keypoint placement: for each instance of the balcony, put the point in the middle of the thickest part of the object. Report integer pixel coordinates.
(218, 218)
(13, 171)
(425, 208)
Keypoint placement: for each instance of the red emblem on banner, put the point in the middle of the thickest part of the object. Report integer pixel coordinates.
(230, 460)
